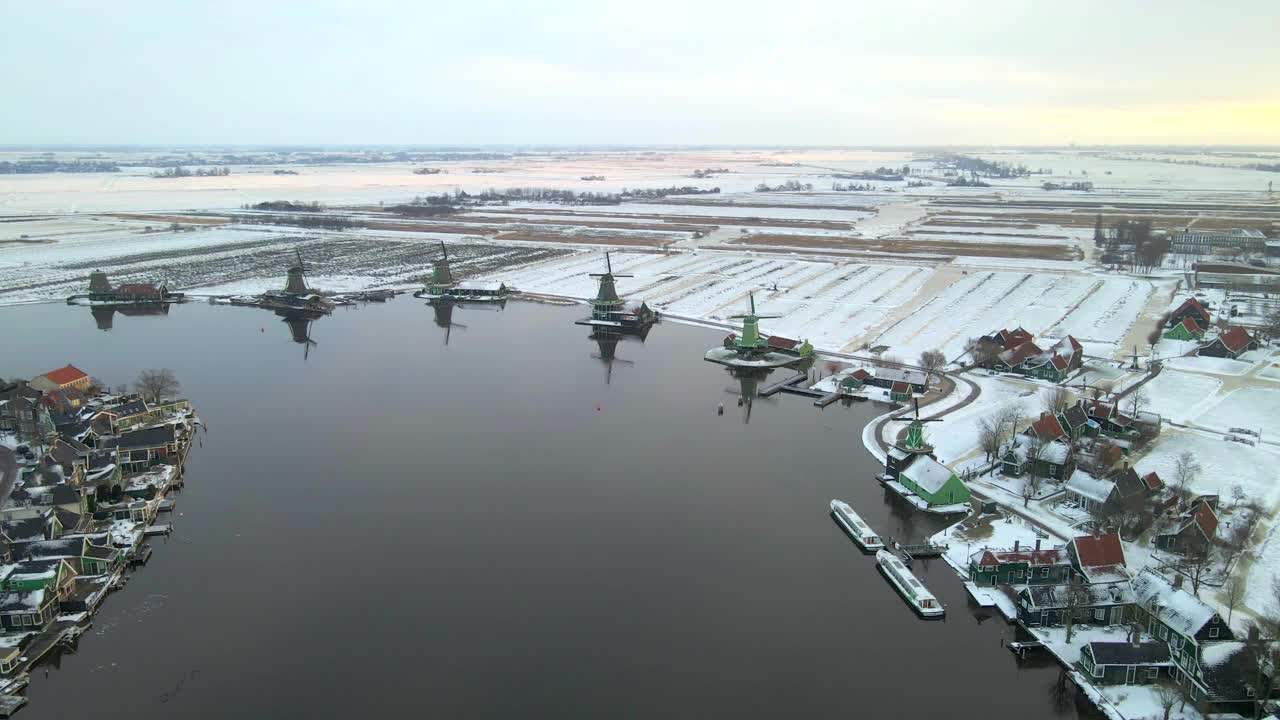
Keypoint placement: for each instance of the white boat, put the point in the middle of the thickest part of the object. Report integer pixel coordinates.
(922, 601)
(861, 532)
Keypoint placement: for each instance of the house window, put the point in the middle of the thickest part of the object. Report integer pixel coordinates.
(1044, 572)
(1153, 673)
(1097, 671)
(1213, 632)
(1164, 633)
(1017, 574)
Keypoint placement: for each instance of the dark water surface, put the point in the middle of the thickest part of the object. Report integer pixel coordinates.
(395, 527)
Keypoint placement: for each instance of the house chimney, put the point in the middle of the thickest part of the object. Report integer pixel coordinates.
(1037, 544)
(1177, 581)
(1135, 633)
(1015, 545)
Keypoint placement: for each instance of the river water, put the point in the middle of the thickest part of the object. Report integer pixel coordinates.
(385, 524)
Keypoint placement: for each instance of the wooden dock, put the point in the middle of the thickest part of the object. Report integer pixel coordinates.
(788, 383)
(158, 529)
(923, 550)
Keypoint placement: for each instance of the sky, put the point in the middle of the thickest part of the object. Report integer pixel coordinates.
(889, 72)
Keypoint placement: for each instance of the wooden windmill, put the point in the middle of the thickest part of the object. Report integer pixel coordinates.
(606, 302)
(915, 430)
(750, 339)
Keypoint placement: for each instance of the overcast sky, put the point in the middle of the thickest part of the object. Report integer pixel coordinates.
(651, 72)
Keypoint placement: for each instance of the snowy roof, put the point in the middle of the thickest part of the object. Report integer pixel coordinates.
(1055, 596)
(487, 285)
(1085, 485)
(1020, 353)
(899, 375)
(928, 473)
(21, 602)
(1176, 608)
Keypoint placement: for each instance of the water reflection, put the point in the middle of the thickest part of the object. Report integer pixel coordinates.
(299, 322)
(749, 380)
(104, 316)
(442, 310)
(607, 347)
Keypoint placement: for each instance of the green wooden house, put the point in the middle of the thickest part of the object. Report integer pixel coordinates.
(933, 482)
(1186, 329)
(1020, 566)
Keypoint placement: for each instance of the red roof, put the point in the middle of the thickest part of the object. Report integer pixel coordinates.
(1189, 322)
(1191, 304)
(1099, 409)
(861, 374)
(1017, 355)
(1048, 427)
(1013, 338)
(66, 375)
(1206, 519)
(1236, 339)
(781, 342)
(900, 387)
(1098, 551)
(1031, 557)
(1153, 481)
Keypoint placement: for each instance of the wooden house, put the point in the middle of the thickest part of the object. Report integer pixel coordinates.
(900, 392)
(1177, 617)
(933, 482)
(54, 575)
(1225, 677)
(854, 380)
(1029, 456)
(1193, 309)
(886, 378)
(1190, 534)
(138, 450)
(1126, 663)
(1057, 363)
(1020, 566)
(85, 556)
(1231, 344)
(1092, 494)
(1187, 329)
(1098, 558)
(1109, 419)
(1012, 359)
(1108, 603)
(27, 611)
(64, 377)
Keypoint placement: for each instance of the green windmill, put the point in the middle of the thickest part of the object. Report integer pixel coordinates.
(606, 305)
(915, 432)
(441, 277)
(750, 341)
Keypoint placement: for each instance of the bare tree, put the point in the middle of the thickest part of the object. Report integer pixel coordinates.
(1231, 594)
(1196, 566)
(156, 384)
(1056, 400)
(1031, 485)
(1168, 696)
(1009, 418)
(1185, 470)
(1261, 655)
(932, 361)
(990, 438)
(1077, 597)
(1137, 401)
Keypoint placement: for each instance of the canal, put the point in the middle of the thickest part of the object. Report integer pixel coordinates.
(489, 520)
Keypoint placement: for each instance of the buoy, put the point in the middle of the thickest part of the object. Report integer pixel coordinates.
(597, 408)
(720, 409)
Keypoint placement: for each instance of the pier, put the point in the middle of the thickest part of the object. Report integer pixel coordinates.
(793, 385)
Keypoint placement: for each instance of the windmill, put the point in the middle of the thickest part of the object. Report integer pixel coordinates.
(915, 430)
(606, 302)
(297, 281)
(441, 276)
(750, 339)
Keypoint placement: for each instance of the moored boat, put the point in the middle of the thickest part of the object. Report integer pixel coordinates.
(915, 593)
(857, 528)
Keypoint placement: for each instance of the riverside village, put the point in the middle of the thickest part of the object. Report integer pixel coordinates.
(89, 477)
(1066, 397)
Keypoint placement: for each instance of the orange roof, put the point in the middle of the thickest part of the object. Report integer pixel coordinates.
(1236, 339)
(1048, 427)
(1100, 550)
(66, 375)
(1206, 519)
